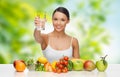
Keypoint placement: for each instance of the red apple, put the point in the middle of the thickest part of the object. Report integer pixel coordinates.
(89, 65)
(19, 65)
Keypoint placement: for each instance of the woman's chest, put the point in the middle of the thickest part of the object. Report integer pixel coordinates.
(60, 44)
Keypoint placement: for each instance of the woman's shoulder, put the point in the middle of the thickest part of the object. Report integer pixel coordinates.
(74, 40)
(72, 37)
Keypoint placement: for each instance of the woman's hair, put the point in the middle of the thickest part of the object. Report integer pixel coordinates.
(62, 10)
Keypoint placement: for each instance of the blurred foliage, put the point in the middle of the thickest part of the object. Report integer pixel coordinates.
(16, 30)
(93, 36)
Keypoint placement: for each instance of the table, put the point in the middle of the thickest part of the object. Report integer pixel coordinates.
(7, 70)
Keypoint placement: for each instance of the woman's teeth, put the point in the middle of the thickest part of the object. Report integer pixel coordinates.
(58, 27)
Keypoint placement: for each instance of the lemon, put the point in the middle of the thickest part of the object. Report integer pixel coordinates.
(42, 60)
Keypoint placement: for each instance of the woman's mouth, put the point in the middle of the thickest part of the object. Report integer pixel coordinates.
(58, 27)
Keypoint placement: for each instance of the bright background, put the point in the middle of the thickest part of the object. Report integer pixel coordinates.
(95, 23)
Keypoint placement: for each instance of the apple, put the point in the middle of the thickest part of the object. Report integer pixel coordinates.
(77, 65)
(102, 64)
(89, 65)
(19, 65)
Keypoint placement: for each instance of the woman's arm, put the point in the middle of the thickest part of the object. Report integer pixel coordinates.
(75, 48)
(40, 38)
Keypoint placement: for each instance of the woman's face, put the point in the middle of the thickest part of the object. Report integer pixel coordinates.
(59, 21)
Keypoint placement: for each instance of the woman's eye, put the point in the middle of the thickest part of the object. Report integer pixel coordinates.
(55, 19)
(62, 19)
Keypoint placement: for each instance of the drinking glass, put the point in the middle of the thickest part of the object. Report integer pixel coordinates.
(42, 22)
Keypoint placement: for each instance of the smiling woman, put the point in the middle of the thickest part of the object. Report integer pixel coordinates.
(87, 21)
(57, 44)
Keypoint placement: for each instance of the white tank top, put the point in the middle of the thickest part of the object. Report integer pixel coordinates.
(54, 55)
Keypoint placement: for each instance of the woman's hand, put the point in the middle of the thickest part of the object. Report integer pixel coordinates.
(39, 23)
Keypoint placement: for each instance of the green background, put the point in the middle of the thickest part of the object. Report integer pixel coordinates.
(90, 22)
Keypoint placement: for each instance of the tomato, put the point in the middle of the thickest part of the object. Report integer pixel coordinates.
(60, 66)
(59, 71)
(57, 64)
(65, 69)
(66, 58)
(66, 63)
(61, 61)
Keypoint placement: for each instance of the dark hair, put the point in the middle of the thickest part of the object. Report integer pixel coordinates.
(62, 10)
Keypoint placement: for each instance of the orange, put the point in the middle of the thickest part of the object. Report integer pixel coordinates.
(19, 65)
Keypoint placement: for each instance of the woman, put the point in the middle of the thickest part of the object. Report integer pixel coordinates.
(57, 44)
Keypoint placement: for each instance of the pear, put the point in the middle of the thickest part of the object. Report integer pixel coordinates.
(102, 64)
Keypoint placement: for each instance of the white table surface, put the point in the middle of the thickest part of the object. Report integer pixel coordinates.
(7, 70)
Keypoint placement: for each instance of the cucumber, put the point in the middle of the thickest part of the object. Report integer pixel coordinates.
(70, 65)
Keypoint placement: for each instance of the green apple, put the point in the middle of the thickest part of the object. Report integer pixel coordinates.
(77, 65)
(102, 64)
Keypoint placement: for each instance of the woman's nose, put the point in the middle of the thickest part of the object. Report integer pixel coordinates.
(58, 22)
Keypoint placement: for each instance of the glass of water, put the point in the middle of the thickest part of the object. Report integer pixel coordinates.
(42, 22)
